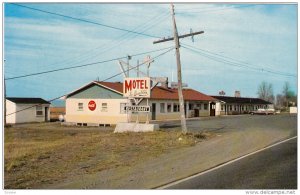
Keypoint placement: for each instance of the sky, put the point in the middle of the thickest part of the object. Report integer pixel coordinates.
(242, 45)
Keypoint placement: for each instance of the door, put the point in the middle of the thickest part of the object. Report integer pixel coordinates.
(196, 112)
(153, 111)
(212, 109)
(46, 114)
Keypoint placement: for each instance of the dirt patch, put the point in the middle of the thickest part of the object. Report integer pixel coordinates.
(47, 153)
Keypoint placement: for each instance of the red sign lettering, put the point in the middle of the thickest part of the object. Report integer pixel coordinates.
(135, 84)
(136, 87)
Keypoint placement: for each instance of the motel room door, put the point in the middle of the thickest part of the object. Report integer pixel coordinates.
(46, 114)
(212, 109)
(153, 111)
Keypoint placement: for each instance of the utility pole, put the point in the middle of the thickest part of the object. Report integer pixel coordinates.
(4, 99)
(179, 77)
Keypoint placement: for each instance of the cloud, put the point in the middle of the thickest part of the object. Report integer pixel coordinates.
(261, 35)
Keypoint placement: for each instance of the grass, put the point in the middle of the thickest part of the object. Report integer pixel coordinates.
(45, 153)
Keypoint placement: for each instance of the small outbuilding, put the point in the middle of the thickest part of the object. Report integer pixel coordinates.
(25, 110)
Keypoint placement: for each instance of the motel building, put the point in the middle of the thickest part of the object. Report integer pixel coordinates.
(228, 105)
(104, 104)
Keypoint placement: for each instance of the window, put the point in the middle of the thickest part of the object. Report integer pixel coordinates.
(199, 106)
(80, 106)
(191, 106)
(230, 107)
(169, 107)
(176, 108)
(104, 107)
(162, 107)
(205, 107)
(39, 110)
(222, 107)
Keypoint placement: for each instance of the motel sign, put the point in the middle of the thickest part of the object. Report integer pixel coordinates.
(137, 87)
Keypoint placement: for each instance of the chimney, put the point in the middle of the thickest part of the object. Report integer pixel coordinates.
(237, 94)
(165, 83)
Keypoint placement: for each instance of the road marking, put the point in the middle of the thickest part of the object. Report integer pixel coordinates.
(224, 164)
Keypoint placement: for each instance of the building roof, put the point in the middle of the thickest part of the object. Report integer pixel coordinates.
(159, 93)
(164, 93)
(241, 100)
(20, 100)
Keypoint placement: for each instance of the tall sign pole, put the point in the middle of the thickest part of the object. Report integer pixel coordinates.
(179, 77)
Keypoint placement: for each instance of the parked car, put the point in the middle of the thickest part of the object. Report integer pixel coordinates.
(263, 111)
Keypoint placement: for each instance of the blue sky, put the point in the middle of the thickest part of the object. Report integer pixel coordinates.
(240, 41)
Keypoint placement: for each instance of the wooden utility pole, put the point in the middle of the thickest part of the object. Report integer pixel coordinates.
(179, 77)
(4, 99)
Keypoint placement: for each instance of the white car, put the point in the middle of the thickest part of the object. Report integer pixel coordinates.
(264, 111)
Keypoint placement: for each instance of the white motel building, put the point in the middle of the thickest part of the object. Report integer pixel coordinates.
(103, 103)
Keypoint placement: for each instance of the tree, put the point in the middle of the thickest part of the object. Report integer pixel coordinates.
(265, 91)
(287, 93)
(280, 101)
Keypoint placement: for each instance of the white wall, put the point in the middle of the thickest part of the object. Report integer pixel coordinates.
(27, 113)
(293, 110)
(10, 108)
(112, 115)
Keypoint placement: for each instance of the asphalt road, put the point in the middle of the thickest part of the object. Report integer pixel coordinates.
(273, 168)
(282, 122)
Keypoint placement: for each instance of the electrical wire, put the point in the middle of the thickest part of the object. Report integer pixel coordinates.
(242, 63)
(112, 44)
(214, 10)
(134, 67)
(235, 63)
(84, 20)
(83, 65)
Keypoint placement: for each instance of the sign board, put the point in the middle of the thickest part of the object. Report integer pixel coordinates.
(137, 108)
(92, 105)
(137, 87)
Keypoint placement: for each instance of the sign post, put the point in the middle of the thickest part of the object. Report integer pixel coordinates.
(137, 89)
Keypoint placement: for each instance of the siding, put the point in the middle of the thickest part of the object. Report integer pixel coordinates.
(26, 115)
(111, 116)
(96, 92)
(10, 108)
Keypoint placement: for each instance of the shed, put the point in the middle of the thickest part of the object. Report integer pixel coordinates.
(25, 110)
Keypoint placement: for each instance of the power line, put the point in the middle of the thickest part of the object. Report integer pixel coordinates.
(83, 65)
(115, 43)
(215, 10)
(134, 67)
(84, 20)
(237, 64)
(244, 63)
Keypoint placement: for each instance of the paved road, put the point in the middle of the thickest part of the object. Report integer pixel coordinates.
(282, 122)
(273, 168)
